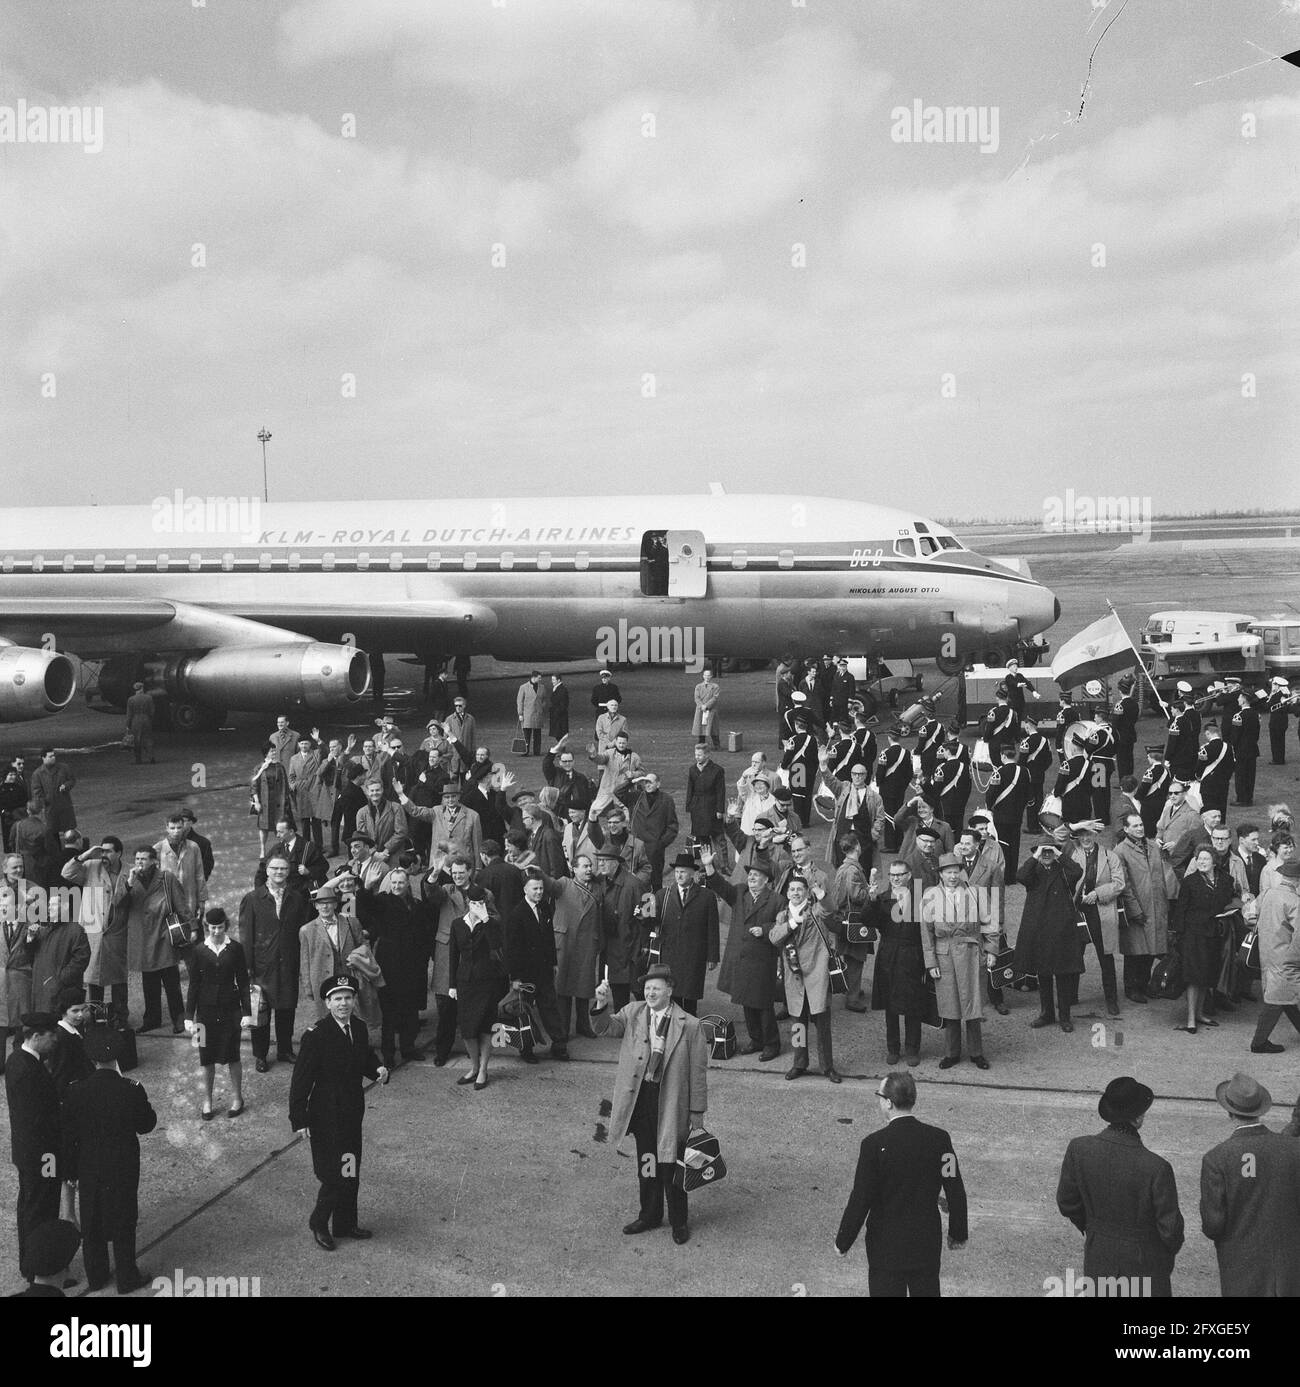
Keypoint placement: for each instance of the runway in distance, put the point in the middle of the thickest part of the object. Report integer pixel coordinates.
(224, 603)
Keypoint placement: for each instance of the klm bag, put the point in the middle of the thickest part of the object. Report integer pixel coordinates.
(859, 931)
(701, 1163)
(1003, 971)
(721, 1036)
(834, 966)
(1248, 952)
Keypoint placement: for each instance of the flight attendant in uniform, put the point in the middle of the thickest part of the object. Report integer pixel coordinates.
(326, 1099)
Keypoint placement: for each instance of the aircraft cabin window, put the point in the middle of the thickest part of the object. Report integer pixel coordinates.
(99, 563)
(295, 561)
(264, 563)
(395, 561)
(227, 562)
(129, 563)
(196, 563)
(785, 559)
(38, 563)
(582, 560)
(363, 561)
(906, 548)
(69, 563)
(161, 562)
(8, 565)
(470, 561)
(654, 563)
(739, 558)
(543, 560)
(434, 561)
(507, 560)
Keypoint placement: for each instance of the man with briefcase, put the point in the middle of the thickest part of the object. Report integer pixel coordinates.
(660, 1092)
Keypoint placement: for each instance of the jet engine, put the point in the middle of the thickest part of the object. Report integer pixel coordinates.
(310, 674)
(34, 683)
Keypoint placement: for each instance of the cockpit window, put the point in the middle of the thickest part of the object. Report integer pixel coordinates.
(948, 542)
(905, 547)
(929, 545)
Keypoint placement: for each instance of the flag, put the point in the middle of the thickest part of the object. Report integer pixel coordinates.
(1097, 651)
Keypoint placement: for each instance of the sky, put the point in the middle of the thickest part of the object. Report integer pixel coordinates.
(470, 248)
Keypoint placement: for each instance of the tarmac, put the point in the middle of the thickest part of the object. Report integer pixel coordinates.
(518, 1190)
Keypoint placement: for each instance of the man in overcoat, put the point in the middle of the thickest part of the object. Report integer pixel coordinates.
(577, 926)
(150, 896)
(1150, 886)
(748, 973)
(686, 920)
(34, 1132)
(324, 945)
(271, 918)
(326, 1098)
(1049, 945)
(660, 1092)
(1121, 1196)
(104, 1117)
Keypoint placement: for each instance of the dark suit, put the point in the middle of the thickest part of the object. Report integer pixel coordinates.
(34, 1142)
(559, 711)
(326, 1097)
(1243, 738)
(68, 1064)
(901, 1169)
(272, 945)
(1251, 1211)
(1124, 1201)
(104, 1117)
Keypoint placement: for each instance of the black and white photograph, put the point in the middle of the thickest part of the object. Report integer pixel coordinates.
(651, 648)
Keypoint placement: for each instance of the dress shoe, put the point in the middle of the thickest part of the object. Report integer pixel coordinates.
(149, 1024)
(1067, 1026)
(891, 1059)
(285, 1056)
(134, 1281)
(360, 1234)
(639, 1225)
(323, 1239)
(559, 1054)
(1136, 997)
(748, 1048)
(1045, 1019)
(681, 1235)
(466, 1079)
(834, 1075)
(528, 1057)
(207, 1115)
(1002, 1009)
(262, 1067)
(586, 1033)
(178, 1026)
(948, 1061)
(480, 1085)
(235, 1110)
(1112, 1008)
(851, 1006)
(769, 1054)
(795, 1071)
(913, 1060)
(1268, 1047)
(439, 1061)
(979, 1061)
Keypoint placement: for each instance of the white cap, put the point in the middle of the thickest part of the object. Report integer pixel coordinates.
(1184, 687)
(1277, 679)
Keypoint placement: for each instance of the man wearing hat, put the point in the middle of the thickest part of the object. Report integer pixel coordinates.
(60, 955)
(1279, 956)
(685, 918)
(51, 1246)
(34, 1131)
(950, 785)
(619, 894)
(139, 724)
(800, 761)
(603, 690)
(324, 945)
(1243, 738)
(450, 822)
(305, 787)
(532, 708)
(1152, 791)
(1215, 762)
(1184, 736)
(893, 775)
(660, 1092)
(1009, 794)
(1250, 1197)
(1124, 714)
(327, 1099)
(1096, 894)
(1050, 943)
(748, 972)
(104, 1117)
(1000, 725)
(1280, 706)
(931, 735)
(1036, 758)
(1122, 1197)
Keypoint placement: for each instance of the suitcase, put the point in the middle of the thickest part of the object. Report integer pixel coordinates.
(701, 1163)
(721, 1036)
(128, 1059)
(735, 741)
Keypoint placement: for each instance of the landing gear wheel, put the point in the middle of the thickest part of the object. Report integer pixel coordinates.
(193, 717)
(870, 703)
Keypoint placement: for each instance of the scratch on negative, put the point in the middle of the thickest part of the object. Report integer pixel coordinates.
(456, 1202)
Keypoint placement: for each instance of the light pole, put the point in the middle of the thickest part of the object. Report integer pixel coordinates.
(264, 437)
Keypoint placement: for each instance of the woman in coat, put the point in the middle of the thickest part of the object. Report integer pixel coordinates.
(748, 972)
(1202, 899)
(479, 981)
(955, 927)
(271, 797)
(217, 1006)
(1049, 944)
(1150, 887)
(803, 933)
(898, 986)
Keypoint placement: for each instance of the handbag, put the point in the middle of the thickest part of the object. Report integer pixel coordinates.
(720, 1035)
(859, 931)
(700, 1164)
(1248, 951)
(519, 746)
(1002, 973)
(1167, 978)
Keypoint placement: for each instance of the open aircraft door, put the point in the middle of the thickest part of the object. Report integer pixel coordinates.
(688, 574)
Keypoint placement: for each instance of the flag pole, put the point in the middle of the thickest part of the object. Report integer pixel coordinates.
(1164, 707)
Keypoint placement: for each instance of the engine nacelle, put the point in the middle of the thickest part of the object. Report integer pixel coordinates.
(306, 675)
(34, 683)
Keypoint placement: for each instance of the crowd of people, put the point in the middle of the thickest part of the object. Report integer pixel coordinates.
(430, 870)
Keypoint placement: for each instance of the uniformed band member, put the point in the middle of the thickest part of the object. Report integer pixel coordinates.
(1016, 685)
(893, 776)
(1280, 705)
(1184, 734)
(1009, 793)
(1124, 720)
(1036, 758)
(1243, 738)
(660, 1092)
(104, 1117)
(327, 1099)
(1216, 764)
(1153, 789)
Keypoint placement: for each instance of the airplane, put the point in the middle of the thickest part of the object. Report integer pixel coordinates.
(229, 603)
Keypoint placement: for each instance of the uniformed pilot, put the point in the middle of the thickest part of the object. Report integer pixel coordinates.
(327, 1099)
